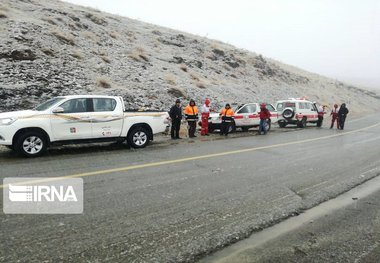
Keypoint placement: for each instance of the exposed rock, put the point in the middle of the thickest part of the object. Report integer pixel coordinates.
(218, 52)
(172, 43)
(177, 92)
(96, 19)
(19, 54)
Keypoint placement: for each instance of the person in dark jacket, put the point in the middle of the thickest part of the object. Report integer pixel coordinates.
(175, 114)
(264, 117)
(342, 114)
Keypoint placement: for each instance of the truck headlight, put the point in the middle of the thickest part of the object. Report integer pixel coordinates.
(7, 121)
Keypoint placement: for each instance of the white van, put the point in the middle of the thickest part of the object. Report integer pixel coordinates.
(296, 111)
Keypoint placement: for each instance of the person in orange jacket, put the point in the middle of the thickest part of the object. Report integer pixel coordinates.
(191, 115)
(227, 115)
(205, 115)
(334, 114)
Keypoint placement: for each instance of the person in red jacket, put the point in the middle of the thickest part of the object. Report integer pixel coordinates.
(205, 115)
(334, 114)
(264, 117)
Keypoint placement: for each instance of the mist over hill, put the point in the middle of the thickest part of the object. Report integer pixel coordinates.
(51, 48)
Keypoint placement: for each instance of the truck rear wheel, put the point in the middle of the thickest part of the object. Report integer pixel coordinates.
(282, 124)
(31, 144)
(302, 123)
(138, 138)
(319, 122)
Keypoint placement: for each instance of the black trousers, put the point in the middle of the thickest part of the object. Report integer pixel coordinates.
(225, 127)
(176, 125)
(341, 120)
(192, 128)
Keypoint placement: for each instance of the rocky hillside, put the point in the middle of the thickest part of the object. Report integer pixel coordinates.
(50, 48)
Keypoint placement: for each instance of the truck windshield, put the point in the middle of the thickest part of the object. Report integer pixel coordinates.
(47, 104)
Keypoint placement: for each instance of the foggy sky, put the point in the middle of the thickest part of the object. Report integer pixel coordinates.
(336, 38)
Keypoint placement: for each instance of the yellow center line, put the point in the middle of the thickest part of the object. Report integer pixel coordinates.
(193, 158)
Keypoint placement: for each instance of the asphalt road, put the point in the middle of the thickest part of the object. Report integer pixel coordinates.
(179, 201)
(345, 229)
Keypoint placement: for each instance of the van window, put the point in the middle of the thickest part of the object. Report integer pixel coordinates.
(248, 109)
(270, 107)
(302, 105)
(308, 106)
(280, 106)
(290, 105)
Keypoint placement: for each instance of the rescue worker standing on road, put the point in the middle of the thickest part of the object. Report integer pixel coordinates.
(175, 114)
(227, 115)
(321, 113)
(334, 114)
(191, 115)
(342, 114)
(264, 117)
(205, 115)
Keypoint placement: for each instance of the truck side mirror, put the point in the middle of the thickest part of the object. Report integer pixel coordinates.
(58, 110)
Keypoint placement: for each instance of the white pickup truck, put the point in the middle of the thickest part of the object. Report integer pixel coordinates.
(78, 119)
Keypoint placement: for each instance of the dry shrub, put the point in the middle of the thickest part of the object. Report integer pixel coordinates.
(198, 81)
(91, 36)
(77, 54)
(97, 19)
(156, 44)
(105, 59)
(226, 67)
(240, 60)
(48, 51)
(4, 8)
(100, 52)
(3, 11)
(200, 84)
(215, 82)
(49, 20)
(170, 79)
(131, 36)
(64, 37)
(114, 34)
(139, 55)
(194, 77)
(103, 83)
(3, 14)
(183, 67)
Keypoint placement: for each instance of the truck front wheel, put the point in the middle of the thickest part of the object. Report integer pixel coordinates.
(138, 138)
(31, 144)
